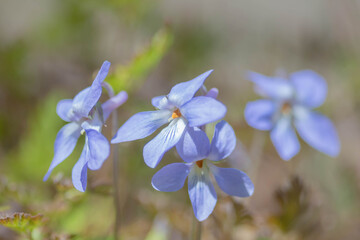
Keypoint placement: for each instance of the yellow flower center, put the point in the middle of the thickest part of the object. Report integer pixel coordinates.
(200, 163)
(286, 108)
(176, 114)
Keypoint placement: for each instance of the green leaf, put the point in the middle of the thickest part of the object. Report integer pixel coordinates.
(22, 222)
(129, 77)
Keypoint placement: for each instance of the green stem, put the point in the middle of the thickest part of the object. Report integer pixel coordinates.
(114, 121)
(256, 151)
(116, 178)
(195, 230)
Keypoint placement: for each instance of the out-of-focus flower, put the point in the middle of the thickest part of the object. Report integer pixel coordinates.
(85, 115)
(288, 106)
(180, 109)
(198, 153)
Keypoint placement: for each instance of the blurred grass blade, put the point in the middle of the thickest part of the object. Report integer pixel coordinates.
(129, 77)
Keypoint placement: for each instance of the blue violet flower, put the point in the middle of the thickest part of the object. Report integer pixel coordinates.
(200, 156)
(288, 106)
(85, 116)
(180, 110)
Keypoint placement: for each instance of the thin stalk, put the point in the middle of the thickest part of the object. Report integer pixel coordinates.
(195, 229)
(256, 151)
(114, 120)
(116, 178)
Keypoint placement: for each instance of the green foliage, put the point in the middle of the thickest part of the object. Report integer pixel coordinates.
(32, 158)
(23, 223)
(129, 77)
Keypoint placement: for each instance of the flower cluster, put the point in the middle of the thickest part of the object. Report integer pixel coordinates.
(185, 112)
(186, 115)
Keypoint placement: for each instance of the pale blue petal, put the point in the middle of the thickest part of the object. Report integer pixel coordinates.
(63, 109)
(65, 143)
(259, 114)
(79, 173)
(162, 102)
(201, 192)
(284, 139)
(213, 93)
(141, 125)
(163, 142)
(97, 149)
(86, 99)
(310, 87)
(194, 145)
(183, 92)
(155, 101)
(203, 110)
(319, 132)
(171, 177)
(113, 103)
(232, 181)
(76, 112)
(272, 87)
(223, 142)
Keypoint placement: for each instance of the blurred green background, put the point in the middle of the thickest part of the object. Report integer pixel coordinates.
(51, 49)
